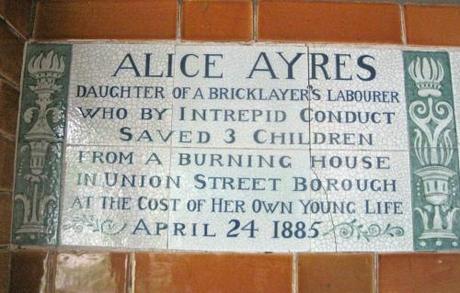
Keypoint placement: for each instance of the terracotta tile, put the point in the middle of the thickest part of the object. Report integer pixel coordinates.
(11, 47)
(9, 101)
(299, 20)
(4, 270)
(103, 19)
(29, 271)
(212, 273)
(443, 28)
(91, 272)
(18, 13)
(342, 273)
(229, 20)
(6, 164)
(420, 273)
(5, 217)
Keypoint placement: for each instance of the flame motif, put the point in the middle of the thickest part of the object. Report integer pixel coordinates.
(428, 75)
(46, 68)
(46, 63)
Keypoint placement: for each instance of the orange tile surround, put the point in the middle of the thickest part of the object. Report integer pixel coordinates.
(19, 13)
(4, 271)
(102, 19)
(419, 273)
(212, 273)
(29, 271)
(297, 20)
(6, 164)
(9, 102)
(5, 217)
(91, 272)
(329, 273)
(11, 46)
(217, 20)
(433, 25)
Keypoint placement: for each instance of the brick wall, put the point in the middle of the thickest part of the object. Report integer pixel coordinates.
(15, 19)
(52, 270)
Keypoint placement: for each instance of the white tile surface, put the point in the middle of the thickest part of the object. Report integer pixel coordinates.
(380, 101)
(119, 196)
(386, 178)
(95, 65)
(219, 202)
(256, 121)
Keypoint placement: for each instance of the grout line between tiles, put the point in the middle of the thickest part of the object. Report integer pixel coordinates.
(33, 15)
(403, 24)
(9, 82)
(50, 270)
(13, 29)
(132, 273)
(295, 273)
(7, 136)
(376, 273)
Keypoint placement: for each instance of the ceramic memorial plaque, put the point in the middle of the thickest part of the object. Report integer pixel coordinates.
(227, 147)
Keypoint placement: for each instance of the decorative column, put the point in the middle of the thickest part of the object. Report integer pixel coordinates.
(40, 144)
(434, 154)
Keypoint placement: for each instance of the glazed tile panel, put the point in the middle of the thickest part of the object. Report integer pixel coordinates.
(238, 148)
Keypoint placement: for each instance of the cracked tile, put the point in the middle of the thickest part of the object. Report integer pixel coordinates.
(231, 216)
(361, 101)
(115, 197)
(362, 200)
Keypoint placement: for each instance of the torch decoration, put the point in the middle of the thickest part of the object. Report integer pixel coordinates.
(41, 146)
(434, 149)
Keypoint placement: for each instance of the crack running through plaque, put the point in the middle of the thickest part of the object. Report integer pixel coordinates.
(310, 167)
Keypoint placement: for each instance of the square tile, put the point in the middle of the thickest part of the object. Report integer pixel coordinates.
(324, 273)
(116, 196)
(224, 273)
(217, 20)
(443, 18)
(111, 85)
(362, 200)
(434, 197)
(80, 19)
(30, 271)
(228, 208)
(421, 273)
(91, 272)
(242, 104)
(361, 102)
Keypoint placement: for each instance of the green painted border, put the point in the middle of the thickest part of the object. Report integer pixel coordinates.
(433, 151)
(41, 132)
